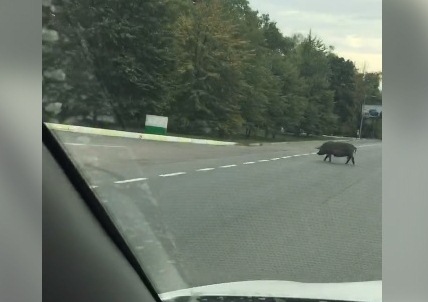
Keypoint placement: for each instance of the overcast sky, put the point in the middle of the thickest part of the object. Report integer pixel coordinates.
(353, 27)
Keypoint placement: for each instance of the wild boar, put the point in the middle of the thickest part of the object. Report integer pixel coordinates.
(338, 149)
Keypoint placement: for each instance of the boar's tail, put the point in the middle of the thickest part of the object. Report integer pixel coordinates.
(355, 150)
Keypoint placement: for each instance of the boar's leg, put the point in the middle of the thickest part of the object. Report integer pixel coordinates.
(350, 158)
(325, 157)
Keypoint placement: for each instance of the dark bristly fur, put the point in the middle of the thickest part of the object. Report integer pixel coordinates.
(338, 149)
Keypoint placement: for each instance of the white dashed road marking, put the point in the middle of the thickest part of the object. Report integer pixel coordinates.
(204, 169)
(172, 174)
(228, 166)
(129, 180)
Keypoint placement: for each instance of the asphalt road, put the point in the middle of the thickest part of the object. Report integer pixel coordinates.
(235, 213)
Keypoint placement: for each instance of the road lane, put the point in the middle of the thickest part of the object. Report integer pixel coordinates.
(301, 220)
(134, 158)
(267, 214)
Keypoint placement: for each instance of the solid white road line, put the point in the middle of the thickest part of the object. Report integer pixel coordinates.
(90, 145)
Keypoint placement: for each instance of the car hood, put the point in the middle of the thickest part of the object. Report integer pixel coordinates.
(370, 291)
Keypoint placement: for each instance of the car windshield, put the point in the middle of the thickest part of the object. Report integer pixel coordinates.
(229, 140)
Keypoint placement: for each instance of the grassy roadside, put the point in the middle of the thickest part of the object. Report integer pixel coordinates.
(239, 139)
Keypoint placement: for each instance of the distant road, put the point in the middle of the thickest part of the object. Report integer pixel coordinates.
(243, 213)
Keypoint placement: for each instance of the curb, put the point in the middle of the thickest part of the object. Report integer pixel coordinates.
(135, 135)
(333, 136)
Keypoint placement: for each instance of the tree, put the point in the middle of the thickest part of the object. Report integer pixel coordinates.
(67, 80)
(274, 38)
(368, 92)
(315, 69)
(129, 43)
(211, 54)
(209, 65)
(342, 82)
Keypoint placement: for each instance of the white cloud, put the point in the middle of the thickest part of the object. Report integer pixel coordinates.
(360, 44)
(354, 28)
(372, 61)
(354, 41)
(304, 17)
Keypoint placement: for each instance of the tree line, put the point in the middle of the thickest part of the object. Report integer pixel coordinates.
(214, 67)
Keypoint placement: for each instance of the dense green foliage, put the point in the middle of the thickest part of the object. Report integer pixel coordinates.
(212, 66)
